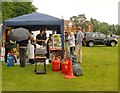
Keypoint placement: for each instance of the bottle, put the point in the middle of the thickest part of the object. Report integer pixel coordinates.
(8, 54)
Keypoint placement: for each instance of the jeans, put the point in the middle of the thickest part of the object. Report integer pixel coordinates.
(22, 56)
(78, 52)
(72, 50)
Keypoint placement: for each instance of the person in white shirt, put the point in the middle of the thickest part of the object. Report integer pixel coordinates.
(78, 48)
(71, 41)
(30, 47)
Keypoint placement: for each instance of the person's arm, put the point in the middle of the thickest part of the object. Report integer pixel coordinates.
(12, 42)
(32, 38)
(46, 40)
(82, 35)
(40, 40)
(69, 38)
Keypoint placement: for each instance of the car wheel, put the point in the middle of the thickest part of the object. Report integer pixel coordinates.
(112, 43)
(107, 45)
(91, 44)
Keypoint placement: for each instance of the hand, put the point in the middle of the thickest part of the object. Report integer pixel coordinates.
(76, 43)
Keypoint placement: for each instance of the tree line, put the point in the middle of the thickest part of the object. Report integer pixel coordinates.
(105, 27)
(13, 9)
(98, 26)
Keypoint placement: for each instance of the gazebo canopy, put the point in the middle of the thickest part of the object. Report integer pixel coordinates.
(35, 21)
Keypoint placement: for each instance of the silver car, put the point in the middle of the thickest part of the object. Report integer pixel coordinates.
(97, 38)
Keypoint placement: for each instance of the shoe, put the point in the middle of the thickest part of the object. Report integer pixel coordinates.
(32, 63)
(28, 62)
(80, 62)
(5, 63)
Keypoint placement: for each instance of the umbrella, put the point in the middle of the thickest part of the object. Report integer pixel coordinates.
(19, 34)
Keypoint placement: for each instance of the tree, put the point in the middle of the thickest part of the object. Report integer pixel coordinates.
(0, 12)
(14, 9)
(104, 28)
(80, 21)
(118, 29)
(101, 26)
(75, 20)
(96, 24)
(85, 25)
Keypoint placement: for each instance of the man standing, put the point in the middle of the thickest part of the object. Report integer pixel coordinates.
(40, 37)
(78, 49)
(44, 34)
(22, 51)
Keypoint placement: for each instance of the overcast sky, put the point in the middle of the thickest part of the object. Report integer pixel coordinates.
(102, 10)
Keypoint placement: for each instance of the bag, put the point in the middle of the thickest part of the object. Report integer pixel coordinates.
(15, 52)
(31, 61)
(77, 70)
(74, 59)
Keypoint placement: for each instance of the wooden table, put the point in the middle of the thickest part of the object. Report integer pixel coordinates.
(56, 52)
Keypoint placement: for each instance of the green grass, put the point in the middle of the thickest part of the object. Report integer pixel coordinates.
(100, 73)
(0, 77)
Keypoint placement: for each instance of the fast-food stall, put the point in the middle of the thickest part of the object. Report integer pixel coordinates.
(36, 21)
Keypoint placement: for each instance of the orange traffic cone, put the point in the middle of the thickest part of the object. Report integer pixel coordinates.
(69, 73)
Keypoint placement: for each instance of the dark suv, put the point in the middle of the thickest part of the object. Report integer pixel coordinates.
(97, 38)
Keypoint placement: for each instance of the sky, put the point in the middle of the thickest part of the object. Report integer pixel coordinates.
(102, 10)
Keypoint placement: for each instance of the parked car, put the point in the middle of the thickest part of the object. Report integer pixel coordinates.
(97, 38)
(114, 36)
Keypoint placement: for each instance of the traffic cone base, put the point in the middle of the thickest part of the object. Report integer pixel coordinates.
(69, 73)
(68, 76)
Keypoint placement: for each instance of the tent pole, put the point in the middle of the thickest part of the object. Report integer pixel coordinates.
(62, 35)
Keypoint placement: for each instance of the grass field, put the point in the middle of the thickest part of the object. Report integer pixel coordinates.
(100, 73)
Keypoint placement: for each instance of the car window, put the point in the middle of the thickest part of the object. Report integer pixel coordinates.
(93, 35)
(97, 35)
(88, 34)
(102, 35)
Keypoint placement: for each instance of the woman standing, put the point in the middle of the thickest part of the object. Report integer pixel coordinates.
(7, 43)
(30, 47)
(71, 39)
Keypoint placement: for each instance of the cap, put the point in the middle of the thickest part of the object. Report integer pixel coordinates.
(79, 28)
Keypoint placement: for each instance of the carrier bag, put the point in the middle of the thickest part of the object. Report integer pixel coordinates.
(74, 60)
(77, 70)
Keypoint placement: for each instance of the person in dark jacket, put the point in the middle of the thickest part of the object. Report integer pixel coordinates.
(44, 34)
(84, 40)
(22, 51)
(40, 39)
(47, 47)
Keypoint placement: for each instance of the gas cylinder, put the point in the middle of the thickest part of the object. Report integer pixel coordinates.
(64, 66)
(10, 60)
(56, 64)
